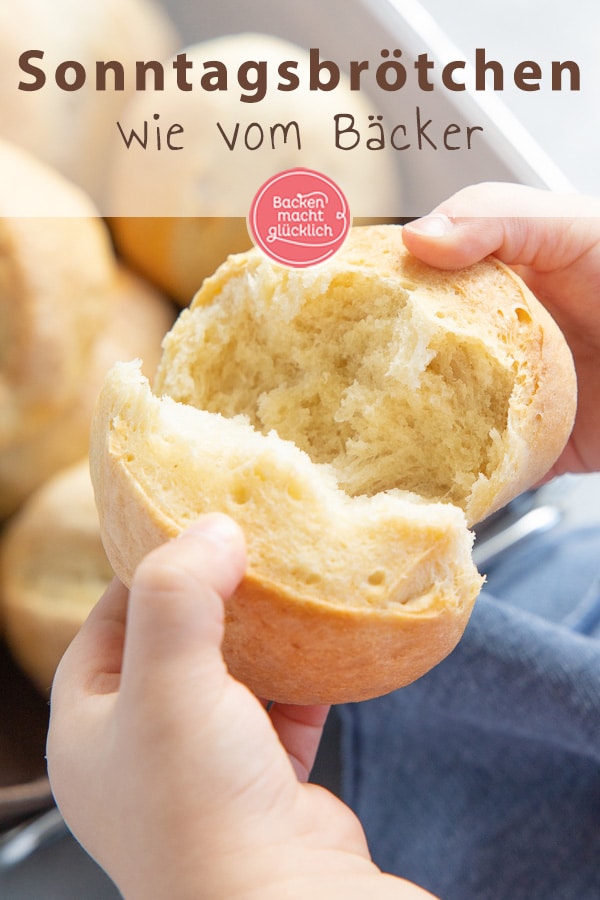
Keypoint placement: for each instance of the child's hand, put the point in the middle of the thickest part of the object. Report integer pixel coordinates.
(554, 243)
(172, 774)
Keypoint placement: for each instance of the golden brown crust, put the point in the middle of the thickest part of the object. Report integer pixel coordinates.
(306, 652)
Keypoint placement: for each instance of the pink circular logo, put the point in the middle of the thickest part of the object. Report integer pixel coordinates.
(299, 218)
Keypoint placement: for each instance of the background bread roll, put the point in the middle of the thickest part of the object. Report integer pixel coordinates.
(355, 418)
(138, 318)
(72, 130)
(52, 564)
(55, 296)
(53, 569)
(176, 216)
(177, 252)
(68, 310)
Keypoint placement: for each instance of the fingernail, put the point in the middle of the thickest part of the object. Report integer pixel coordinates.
(216, 527)
(436, 225)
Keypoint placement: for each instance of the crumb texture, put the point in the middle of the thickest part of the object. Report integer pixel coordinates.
(380, 377)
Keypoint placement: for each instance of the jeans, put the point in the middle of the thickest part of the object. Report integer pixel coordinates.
(481, 781)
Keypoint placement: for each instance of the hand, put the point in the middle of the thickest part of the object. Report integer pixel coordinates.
(553, 241)
(171, 773)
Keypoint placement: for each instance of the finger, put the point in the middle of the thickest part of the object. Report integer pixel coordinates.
(89, 670)
(175, 617)
(92, 662)
(520, 225)
(300, 729)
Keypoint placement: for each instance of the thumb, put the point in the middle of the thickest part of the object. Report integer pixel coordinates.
(520, 225)
(175, 614)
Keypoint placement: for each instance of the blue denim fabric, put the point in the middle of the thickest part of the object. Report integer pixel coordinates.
(481, 781)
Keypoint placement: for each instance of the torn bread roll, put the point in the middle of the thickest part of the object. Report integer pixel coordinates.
(355, 418)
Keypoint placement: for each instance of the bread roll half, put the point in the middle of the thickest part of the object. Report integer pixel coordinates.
(355, 418)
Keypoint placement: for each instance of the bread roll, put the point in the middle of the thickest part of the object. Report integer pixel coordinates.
(72, 130)
(355, 418)
(177, 216)
(53, 569)
(137, 317)
(55, 295)
(177, 252)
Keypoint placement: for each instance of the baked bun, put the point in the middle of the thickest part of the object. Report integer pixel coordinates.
(53, 570)
(177, 216)
(72, 130)
(55, 297)
(176, 253)
(355, 418)
(135, 321)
